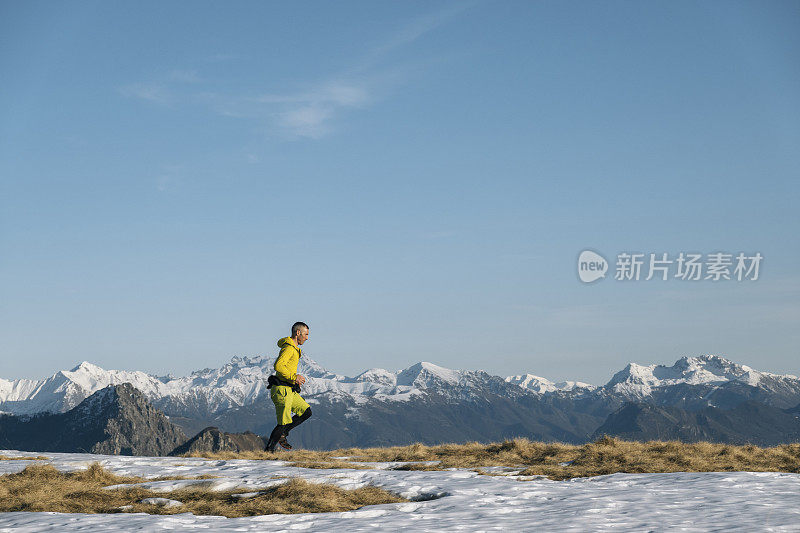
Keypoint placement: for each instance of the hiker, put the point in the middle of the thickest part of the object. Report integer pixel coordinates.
(285, 385)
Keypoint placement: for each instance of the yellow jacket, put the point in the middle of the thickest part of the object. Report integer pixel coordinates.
(286, 363)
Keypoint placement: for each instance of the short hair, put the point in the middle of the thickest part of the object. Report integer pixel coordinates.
(296, 327)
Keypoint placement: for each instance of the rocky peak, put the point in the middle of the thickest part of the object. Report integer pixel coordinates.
(638, 381)
(542, 385)
(116, 420)
(378, 375)
(211, 439)
(124, 423)
(424, 374)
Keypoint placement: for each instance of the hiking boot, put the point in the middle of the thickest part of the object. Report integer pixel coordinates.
(276, 434)
(284, 443)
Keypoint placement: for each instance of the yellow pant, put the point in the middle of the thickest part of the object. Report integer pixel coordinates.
(287, 402)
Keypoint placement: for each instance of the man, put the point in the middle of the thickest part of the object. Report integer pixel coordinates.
(285, 385)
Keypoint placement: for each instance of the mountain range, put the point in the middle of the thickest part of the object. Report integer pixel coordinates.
(431, 404)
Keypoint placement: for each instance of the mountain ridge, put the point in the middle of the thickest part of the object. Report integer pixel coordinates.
(431, 404)
(242, 381)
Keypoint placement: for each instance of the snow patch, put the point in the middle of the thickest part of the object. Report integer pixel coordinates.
(162, 502)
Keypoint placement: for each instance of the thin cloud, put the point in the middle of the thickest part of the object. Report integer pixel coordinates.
(312, 111)
(184, 76)
(331, 92)
(309, 114)
(160, 92)
(412, 31)
(169, 177)
(151, 92)
(308, 121)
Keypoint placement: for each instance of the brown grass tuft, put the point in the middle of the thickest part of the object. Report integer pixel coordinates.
(557, 461)
(44, 488)
(329, 464)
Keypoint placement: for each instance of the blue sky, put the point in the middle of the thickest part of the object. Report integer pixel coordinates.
(180, 181)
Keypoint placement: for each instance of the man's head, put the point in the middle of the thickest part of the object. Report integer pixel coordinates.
(300, 332)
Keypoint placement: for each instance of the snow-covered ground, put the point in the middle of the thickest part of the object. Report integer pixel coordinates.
(465, 501)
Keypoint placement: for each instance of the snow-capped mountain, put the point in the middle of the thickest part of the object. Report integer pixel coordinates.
(240, 382)
(637, 381)
(424, 402)
(243, 381)
(67, 388)
(542, 385)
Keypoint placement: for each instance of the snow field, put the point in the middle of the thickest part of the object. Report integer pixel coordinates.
(465, 500)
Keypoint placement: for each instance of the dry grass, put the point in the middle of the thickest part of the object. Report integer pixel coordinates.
(604, 456)
(329, 464)
(295, 455)
(609, 455)
(169, 478)
(43, 488)
(294, 496)
(298, 458)
(23, 458)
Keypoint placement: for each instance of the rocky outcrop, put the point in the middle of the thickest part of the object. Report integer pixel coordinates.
(211, 439)
(132, 426)
(117, 420)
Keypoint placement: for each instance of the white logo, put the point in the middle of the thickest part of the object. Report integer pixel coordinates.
(686, 266)
(591, 266)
